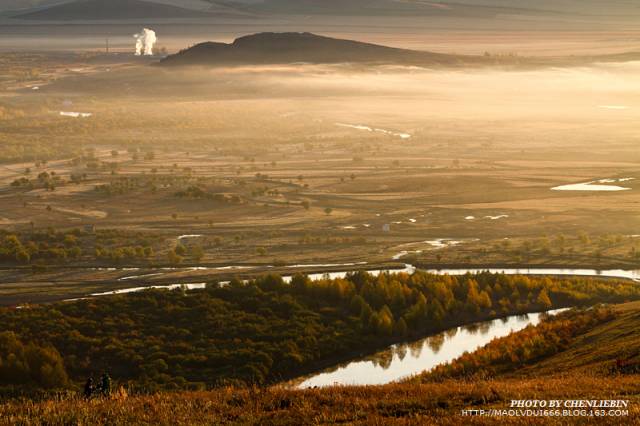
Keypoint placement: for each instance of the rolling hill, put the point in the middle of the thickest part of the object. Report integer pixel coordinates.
(293, 47)
(448, 14)
(569, 9)
(24, 5)
(458, 8)
(277, 48)
(391, 8)
(521, 10)
(110, 10)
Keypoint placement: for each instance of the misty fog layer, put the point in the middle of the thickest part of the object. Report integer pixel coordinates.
(600, 92)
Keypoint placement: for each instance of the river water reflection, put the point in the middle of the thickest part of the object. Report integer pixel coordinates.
(403, 360)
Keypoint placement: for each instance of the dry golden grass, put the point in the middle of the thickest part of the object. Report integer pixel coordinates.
(431, 403)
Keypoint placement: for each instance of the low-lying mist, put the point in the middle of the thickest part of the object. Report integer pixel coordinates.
(597, 92)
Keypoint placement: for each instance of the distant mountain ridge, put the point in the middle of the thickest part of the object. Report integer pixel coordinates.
(479, 14)
(278, 48)
(363, 7)
(438, 7)
(380, 7)
(111, 10)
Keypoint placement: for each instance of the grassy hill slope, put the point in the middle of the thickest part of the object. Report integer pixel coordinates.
(431, 403)
(598, 349)
(603, 341)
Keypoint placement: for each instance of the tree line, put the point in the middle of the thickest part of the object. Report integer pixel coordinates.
(51, 245)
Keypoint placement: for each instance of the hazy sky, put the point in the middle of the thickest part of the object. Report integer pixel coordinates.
(575, 7)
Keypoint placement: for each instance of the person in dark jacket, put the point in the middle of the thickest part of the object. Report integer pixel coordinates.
(88, 388)
(105, 384)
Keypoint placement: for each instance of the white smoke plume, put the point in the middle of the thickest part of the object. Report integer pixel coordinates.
(145, 41)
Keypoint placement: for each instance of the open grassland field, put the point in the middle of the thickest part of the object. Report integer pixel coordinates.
(308, 165)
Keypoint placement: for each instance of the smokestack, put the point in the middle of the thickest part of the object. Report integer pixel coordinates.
(145, 41)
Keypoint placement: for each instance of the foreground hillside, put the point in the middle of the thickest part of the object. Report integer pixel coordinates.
(598, 348)
(431, 403)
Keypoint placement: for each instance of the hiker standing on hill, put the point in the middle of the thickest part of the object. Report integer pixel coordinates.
(88, 388)
(105, 384)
